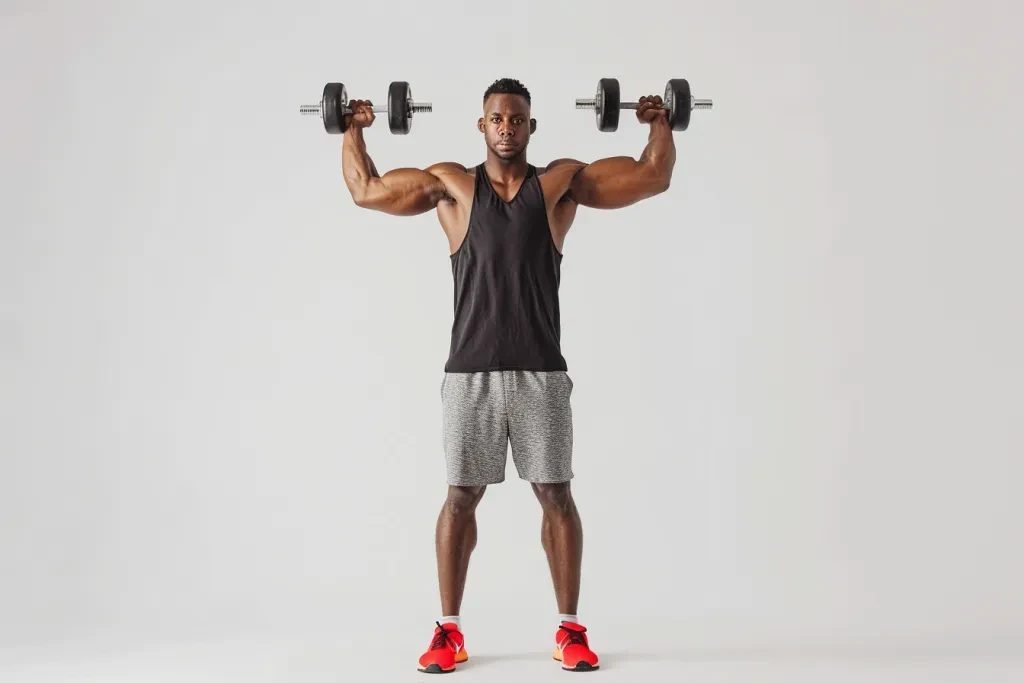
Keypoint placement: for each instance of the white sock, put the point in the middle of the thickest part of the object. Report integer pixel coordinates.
(571, 618)
(451, 620)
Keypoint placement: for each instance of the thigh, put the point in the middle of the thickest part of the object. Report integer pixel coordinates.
(540, 426)
(475, 433)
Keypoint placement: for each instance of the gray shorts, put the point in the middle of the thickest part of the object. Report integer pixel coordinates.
(484, 412)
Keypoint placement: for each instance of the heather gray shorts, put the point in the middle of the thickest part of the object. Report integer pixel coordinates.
(485, 412)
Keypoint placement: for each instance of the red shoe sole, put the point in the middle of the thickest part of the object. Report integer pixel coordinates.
(580, 666)
(460, 658)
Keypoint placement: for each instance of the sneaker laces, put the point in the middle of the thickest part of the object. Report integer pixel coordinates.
(441, 638)
(575, 636)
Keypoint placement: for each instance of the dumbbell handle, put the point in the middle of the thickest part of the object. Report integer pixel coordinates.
(592, 104)
(317, 109)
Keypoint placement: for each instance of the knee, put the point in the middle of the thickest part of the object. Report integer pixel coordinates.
(555, 498)
(462, 500)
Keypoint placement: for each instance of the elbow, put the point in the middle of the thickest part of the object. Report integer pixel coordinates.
(658, 183)
(358, 192)
(663, 175)
(657, 178)
(365, 200)
(364, 194)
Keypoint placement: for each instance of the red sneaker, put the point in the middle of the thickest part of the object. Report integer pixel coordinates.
(573, 648)
(447, 649)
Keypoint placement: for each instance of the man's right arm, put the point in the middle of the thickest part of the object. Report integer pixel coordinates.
(401, 192)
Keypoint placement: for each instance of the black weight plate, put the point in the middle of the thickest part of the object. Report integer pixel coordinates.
(334, 101)
(608, 97)
(677, 98)
(399, 120)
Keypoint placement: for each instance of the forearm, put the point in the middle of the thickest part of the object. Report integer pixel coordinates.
(659, 156)
(356, 164)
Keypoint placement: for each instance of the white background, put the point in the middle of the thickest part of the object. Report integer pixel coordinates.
(797, 373)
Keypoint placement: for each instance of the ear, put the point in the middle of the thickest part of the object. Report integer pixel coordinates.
(480, 124)
(533, 126)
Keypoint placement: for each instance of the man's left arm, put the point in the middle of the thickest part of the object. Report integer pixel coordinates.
(617, 182)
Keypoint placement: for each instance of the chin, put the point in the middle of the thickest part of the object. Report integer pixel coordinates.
(508, 153)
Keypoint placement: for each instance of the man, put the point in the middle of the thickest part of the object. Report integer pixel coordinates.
(505, 380)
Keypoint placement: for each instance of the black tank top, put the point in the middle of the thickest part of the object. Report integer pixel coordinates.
(507, 272)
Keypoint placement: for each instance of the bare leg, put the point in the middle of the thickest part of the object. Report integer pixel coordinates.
(562, 537)
(455, 539)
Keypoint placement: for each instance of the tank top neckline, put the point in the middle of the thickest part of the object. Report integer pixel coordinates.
(530, 172)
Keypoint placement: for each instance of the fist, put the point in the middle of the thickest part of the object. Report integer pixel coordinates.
(650, 109)
(362, 115)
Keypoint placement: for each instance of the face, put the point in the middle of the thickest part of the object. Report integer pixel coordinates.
(506, 125)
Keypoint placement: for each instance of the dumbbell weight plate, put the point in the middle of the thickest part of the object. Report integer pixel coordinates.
(677, 101)
(335, 99)
(608, 97)
(399, 96)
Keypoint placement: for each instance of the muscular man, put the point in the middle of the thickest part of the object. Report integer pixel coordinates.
(505, 381)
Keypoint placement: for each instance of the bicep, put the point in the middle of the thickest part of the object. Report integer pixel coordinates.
(611, 183)
(405, 192)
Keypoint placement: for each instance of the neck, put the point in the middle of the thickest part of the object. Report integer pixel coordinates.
(506, 169)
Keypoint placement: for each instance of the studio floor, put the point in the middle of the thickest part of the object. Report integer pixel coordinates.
(345, 658)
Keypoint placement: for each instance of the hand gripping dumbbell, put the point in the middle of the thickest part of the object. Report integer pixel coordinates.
(333, 108)
(677, 100)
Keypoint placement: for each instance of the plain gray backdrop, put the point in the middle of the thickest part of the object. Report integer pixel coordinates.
(797, 373)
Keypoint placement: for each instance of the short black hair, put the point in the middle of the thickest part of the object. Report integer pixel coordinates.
(507, 86)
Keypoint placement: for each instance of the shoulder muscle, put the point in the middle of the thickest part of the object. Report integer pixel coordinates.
(566, 164)
(557, 178)
(445, 167)
(454, 177)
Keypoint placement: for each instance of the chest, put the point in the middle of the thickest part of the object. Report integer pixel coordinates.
(509, 231)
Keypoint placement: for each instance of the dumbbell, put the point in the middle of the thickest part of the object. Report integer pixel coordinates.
(334, 107)
(677, 100)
